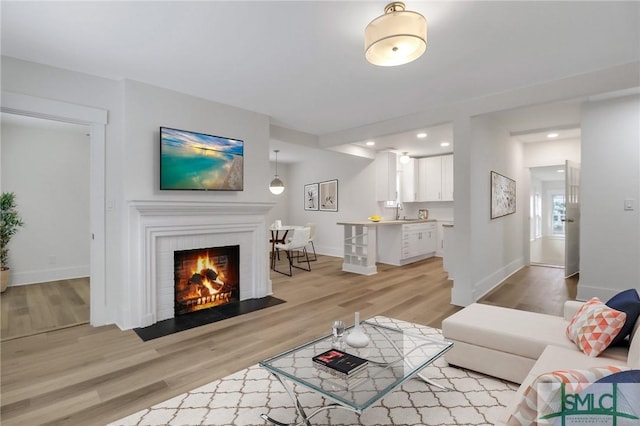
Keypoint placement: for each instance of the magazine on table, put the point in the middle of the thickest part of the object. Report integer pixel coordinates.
(340, 362)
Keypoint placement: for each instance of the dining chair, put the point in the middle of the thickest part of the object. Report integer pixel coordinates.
(312, 237)
(299, 241)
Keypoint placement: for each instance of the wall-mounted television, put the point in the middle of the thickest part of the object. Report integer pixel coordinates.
(200, 162)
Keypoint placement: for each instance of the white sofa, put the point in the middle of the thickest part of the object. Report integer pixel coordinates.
(519, 346)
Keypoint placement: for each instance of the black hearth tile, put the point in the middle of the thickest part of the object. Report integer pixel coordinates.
(206, 316)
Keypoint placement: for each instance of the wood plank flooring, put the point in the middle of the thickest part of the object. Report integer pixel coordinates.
(90, 376)
(36, 308)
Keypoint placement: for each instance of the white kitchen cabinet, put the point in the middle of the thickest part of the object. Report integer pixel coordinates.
(435, 178)
(447, 178)
(429, 179)
(409, 181)
(386, 176)
(406, 243)
(418, 239)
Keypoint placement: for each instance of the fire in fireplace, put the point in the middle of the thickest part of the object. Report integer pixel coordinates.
(205, 278)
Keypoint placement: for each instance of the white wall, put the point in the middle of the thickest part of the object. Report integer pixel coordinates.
(48, 169)
(356, 195)
(281, 209)
(148, 107)
(131, 155)
(610, 236)
(496, 245)
(479, 147)
(551, 153)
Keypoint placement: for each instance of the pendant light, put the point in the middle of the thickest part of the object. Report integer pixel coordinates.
(395, 38)
(276, 186)
(404, 158)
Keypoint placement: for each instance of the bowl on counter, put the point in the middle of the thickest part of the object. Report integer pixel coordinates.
(375, 218)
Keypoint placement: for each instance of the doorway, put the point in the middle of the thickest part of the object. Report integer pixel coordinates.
(45, 163)
(96, 119)
(548, 211)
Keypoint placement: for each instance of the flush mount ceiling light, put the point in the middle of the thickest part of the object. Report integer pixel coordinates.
(370, 143)
(395, 38)
(552, 135)
(276, 186)
(444, 144)
(404, 158)
(421, 135)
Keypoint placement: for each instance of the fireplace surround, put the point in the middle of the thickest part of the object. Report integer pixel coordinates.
(158, 228)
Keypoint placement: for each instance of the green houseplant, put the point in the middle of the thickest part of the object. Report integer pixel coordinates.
(10, 221)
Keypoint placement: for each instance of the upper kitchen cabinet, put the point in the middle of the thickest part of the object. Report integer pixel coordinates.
(435, 178)
(386, 176)
(409, 181)
(447, 177)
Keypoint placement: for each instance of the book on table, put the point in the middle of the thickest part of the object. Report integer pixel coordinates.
(340, 362)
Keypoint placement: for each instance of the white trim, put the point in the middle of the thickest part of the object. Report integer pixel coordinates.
(483, 287)
(48, 275)
(151, 221)
(17, 103)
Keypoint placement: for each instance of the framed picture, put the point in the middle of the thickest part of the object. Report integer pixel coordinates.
(311, 196)
(503, 195)
(329, 196)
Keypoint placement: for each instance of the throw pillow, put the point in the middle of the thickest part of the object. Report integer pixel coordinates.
(543, 395)
(627, 301)
(594, 327)
(630, 376)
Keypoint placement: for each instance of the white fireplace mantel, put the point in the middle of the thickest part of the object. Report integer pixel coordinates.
(155, 228)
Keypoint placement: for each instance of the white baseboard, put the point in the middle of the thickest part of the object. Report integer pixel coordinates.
(586, 292)
(483, 287)
(46, 275)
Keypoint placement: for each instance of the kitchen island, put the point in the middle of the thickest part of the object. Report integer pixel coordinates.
(401, 242)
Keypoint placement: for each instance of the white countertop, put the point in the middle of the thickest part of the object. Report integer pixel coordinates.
(387, 222)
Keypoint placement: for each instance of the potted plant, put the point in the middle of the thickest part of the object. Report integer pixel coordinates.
(10, 221)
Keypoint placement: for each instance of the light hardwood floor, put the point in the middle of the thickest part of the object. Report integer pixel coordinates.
(36, 308)
(89, 376)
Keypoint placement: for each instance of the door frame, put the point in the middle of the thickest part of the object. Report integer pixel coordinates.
(96, 119)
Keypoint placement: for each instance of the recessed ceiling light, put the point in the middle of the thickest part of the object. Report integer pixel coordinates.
(560, 170)
(444, 144)
(421, 135)
(370, 143)
(552, 135)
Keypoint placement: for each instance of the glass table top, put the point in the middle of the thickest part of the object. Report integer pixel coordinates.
(394, 356)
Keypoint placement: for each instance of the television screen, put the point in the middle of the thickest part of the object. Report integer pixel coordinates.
(195, 161)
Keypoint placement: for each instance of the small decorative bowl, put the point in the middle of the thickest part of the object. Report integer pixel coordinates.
(374, 218)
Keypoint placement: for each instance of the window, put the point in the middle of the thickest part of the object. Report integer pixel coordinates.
(536, 215)
(558, 211)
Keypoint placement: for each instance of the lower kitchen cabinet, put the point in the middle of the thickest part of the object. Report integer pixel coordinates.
(406, 243)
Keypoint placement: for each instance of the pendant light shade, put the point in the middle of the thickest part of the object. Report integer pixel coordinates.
(395, 38)
(276, 186)
(404, 158)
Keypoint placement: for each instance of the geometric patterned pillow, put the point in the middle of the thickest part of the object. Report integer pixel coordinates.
(594, 327)
(543, 395)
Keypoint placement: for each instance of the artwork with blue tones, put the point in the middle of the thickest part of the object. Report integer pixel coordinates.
(196, 161)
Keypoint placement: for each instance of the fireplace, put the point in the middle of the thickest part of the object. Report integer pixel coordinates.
(205, 278)
(158, 228)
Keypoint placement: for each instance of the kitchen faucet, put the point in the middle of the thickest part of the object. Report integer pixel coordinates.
(398, 208)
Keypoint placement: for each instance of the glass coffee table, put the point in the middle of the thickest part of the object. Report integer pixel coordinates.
(394, 356)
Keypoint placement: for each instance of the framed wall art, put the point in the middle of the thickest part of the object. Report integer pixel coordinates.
(329, 196)
(311, 196)
(503, 195)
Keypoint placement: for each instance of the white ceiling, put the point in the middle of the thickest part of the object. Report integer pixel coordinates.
(302, 62)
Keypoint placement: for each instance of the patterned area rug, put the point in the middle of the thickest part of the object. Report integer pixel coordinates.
(240, 399)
